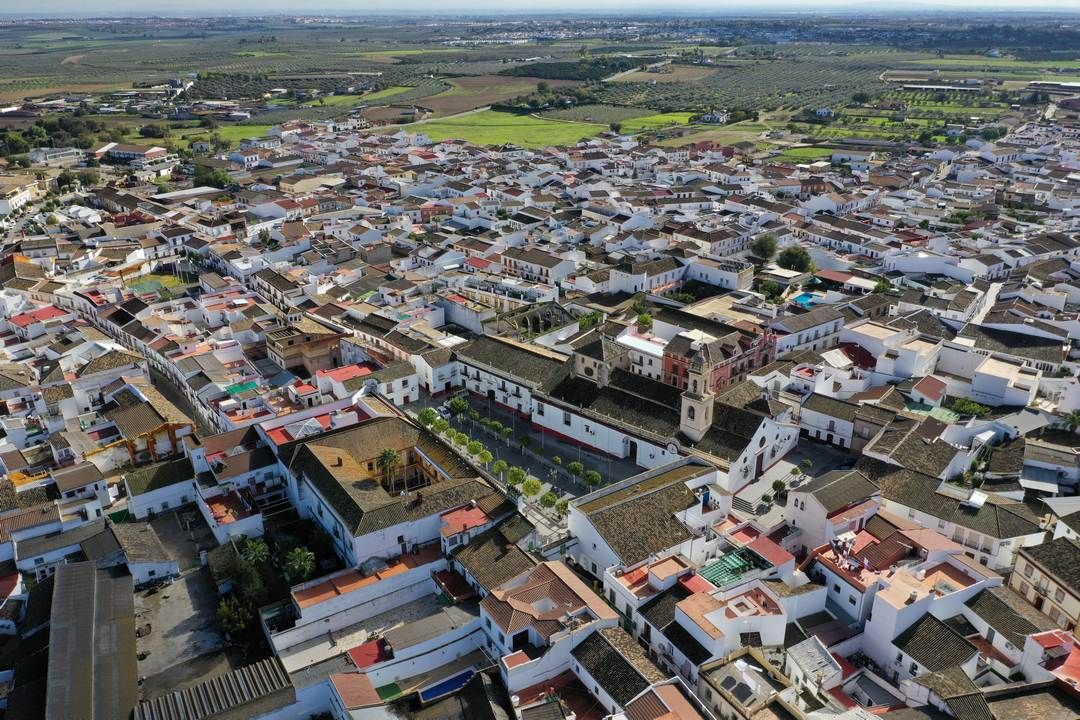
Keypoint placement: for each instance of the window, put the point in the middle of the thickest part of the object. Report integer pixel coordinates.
(690, 412)
(836, 587)
(851, 600)
(1028, 570)
(151, 573)
(1059, 595)
(566, 418)
(539, 408)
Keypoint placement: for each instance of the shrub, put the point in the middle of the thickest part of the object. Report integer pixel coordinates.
(963, 406)
(234, 615)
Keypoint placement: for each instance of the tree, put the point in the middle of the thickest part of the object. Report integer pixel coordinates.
(795, 258)
(772, 291)
(516, 475)
(249, 582)
(66, 178)
(524, 441)
(764, 247)
(89, 178)
(474, 447)
(499, 467)
(427, 417)
(562, 506)
(484, 457)
(461, 439)
(531, 487)
(506, 432)
(548, 499)
(644, 322)
(1072, 420)
(806, 465)
(556, 460)
(575, 469)
(215, 177)
(387, 462)
(234, 615)
(779, 486)
(882, 286)
(299, 565)
(255, 551)
(860, 98)
(440, 425)
(616, 127)
(591, 478)
(458, 406)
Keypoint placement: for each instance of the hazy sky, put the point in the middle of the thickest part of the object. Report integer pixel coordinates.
(206, 7)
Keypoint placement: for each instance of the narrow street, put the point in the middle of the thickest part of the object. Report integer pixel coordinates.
(177, 398)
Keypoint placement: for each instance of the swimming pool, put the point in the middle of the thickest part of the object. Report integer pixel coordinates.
(805, 299)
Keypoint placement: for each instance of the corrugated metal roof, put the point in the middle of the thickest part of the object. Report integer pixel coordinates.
(222, 693)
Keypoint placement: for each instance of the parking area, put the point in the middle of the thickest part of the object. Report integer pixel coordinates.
(184, 534)
(184, 640)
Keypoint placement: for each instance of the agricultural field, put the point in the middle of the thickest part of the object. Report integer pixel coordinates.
(495, 128)
(605, 114)
(750, 83)
(648, 123)
(468, 93)
(386, 93)
(670, 73)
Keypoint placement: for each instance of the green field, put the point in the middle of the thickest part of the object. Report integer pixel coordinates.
(495, 128)
(385, 93)
(804, 154)
(655, 122)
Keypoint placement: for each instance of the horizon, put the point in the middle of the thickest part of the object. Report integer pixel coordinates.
(74, 9)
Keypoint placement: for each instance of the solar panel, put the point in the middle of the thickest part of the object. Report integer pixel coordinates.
(742, 692)
(727, 683)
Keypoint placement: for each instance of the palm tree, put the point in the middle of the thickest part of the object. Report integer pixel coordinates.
(806, 465)
(1072, 420)
(299, 565)
(387, 462)
(254, 551)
